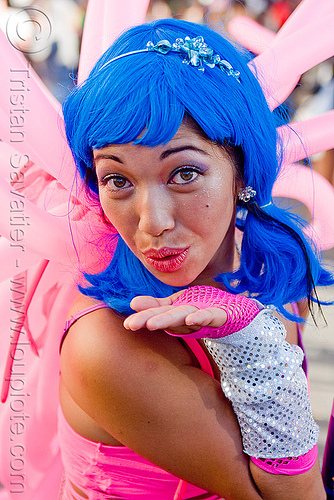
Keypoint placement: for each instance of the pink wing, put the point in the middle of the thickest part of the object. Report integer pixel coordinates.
(42, 235)
(282, 60)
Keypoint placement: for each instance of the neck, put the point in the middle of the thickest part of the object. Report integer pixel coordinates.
(225, 260)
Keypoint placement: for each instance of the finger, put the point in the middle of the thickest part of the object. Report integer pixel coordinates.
(138, 320)
(212, 316)
(172, 317)
(142, 302)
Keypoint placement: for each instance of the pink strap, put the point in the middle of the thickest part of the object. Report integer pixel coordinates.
(78, 315)
(200, 355)
(240, 310)
(205, 365)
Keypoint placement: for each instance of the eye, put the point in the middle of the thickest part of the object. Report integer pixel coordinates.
(184, 175)
(116, 182)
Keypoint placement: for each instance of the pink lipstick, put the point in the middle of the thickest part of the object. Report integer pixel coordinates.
(166, 260)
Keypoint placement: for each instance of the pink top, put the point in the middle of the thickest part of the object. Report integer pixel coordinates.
(103, 472)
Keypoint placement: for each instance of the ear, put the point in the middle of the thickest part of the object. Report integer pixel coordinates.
(238, 185)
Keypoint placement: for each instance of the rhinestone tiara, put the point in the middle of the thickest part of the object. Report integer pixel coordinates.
(194, 51)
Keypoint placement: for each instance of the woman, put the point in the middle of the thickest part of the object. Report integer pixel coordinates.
(169, 151)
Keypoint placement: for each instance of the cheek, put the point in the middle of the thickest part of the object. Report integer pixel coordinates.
(212, 209)
(117, 216)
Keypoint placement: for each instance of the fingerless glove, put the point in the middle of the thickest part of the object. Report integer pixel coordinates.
(240, 310)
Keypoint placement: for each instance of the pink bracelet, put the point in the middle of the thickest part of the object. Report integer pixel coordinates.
(288, 466)
(240, 310)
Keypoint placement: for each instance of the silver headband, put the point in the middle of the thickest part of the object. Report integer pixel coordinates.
(194, 51)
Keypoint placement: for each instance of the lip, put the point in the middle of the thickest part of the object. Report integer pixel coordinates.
(166, 260)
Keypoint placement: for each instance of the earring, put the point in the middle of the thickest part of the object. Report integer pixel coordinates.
(246, 194)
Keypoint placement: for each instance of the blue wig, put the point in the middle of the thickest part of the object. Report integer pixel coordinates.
(153, 93)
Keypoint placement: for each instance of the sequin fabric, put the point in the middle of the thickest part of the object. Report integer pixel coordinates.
(262, 375)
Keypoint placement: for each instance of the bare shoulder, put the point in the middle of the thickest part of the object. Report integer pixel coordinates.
(103, 328)
(99, 349)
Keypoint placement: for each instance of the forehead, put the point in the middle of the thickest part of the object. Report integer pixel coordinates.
(188, 137)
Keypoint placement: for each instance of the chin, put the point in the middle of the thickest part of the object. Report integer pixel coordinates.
(175, 279)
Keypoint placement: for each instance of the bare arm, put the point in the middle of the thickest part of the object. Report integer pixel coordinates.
(306, 485)
(143, 390)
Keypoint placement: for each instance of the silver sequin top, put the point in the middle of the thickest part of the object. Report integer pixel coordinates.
(262, 375)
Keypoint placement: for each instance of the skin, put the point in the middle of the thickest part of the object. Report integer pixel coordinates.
(145, 390)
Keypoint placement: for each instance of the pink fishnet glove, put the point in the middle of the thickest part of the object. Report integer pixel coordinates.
(240, 310)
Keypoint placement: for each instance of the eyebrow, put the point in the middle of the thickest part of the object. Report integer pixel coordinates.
(170, 151)
(106, 157)
(163, 155)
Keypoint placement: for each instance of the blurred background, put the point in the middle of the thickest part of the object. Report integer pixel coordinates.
(57, 66)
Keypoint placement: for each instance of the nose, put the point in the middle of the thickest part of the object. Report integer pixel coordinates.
(155, 211)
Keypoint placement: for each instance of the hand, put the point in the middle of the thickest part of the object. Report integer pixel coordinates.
(159, 314)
